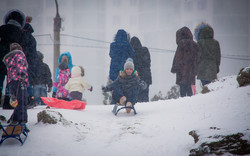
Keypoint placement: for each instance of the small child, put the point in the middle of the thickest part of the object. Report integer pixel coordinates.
(76, 84)
(62, 79)
(126, 86)
(17, 75)
(44, 82)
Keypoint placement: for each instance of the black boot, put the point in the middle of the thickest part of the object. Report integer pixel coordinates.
(6, 103)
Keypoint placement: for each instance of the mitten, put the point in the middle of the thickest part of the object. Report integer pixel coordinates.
(91, 88)
(104, 89)
(143, 85)
(54, 94)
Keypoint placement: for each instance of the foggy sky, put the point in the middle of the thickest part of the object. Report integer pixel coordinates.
(89, 26)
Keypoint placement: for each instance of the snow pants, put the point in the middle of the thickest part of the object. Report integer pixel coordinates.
(19, 90)
(130, 94)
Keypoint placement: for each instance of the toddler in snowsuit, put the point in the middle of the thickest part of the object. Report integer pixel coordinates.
(43, 82)
(126, 87)
(17, 75)
(76, 84)
(62, 79)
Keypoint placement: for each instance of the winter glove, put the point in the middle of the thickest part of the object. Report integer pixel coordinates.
(143, 85)
(104, 89)
(49, 89)
(54, 94)
(91, 88)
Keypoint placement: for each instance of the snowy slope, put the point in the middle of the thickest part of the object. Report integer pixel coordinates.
(160, 128)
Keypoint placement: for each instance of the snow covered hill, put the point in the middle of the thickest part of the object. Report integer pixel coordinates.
(160, 128)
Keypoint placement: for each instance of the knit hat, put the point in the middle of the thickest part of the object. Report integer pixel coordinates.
(15, 46)
(129, 64)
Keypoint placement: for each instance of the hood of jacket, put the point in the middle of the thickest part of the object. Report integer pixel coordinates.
(76, 72)
(135, 42)
(15, 15)
(69, 56)
(183, 33)
(121, 36)
(206, 33)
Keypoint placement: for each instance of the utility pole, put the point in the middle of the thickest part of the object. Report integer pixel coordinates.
(57, 27)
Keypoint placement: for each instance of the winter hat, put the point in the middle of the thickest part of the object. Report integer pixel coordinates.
(15, 46)
(63, 66)
(129, 64)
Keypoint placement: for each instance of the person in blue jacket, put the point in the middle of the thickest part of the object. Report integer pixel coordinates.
(120, 50)
(66, 56)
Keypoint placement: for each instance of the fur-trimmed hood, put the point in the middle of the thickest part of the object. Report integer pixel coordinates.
(203, 31)
(15, 15)
(183, 33)
(121, 36)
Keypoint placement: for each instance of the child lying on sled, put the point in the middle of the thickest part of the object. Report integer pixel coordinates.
(126, 87)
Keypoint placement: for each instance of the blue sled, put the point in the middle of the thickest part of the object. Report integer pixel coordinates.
(14, 131)
(116, 110)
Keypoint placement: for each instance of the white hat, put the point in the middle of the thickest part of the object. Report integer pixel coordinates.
(129, 64)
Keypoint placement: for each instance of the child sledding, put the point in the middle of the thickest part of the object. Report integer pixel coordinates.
(126, 88)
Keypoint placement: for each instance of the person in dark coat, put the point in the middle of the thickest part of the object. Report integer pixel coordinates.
(10, 32)
(185, 61)
(17, 65)
(30, 51)
(125, 87)
(43, 82)
(142, 66)
(209, 54)
(120, 50)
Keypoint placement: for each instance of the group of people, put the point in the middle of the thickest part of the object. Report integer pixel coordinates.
(130, 73)
(69, 83)
(28, 77)
(201, 59)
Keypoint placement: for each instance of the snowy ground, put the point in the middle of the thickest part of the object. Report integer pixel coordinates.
(160, 128)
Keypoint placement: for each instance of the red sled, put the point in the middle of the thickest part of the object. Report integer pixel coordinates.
(57, 103)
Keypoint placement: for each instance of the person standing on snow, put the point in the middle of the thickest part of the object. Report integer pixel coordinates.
(62, 79)
(120, 50)
(17, 70)
(185, 61)
(76, 84)
(43, 82)
(209, 54)
(142, 66)
(64, 57)
(30, 51)
(10, 32)
(125, 88)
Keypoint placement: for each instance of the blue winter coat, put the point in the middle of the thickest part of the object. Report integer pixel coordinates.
(70, 65)
(120, 50)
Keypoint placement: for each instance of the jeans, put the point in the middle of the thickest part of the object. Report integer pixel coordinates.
(185, 90)
(40, 91)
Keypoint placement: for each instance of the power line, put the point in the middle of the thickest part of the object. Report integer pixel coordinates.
(158, 50)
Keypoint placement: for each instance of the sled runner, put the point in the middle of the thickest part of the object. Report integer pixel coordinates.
(57, 103)
(116, 110)
(14, 131)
